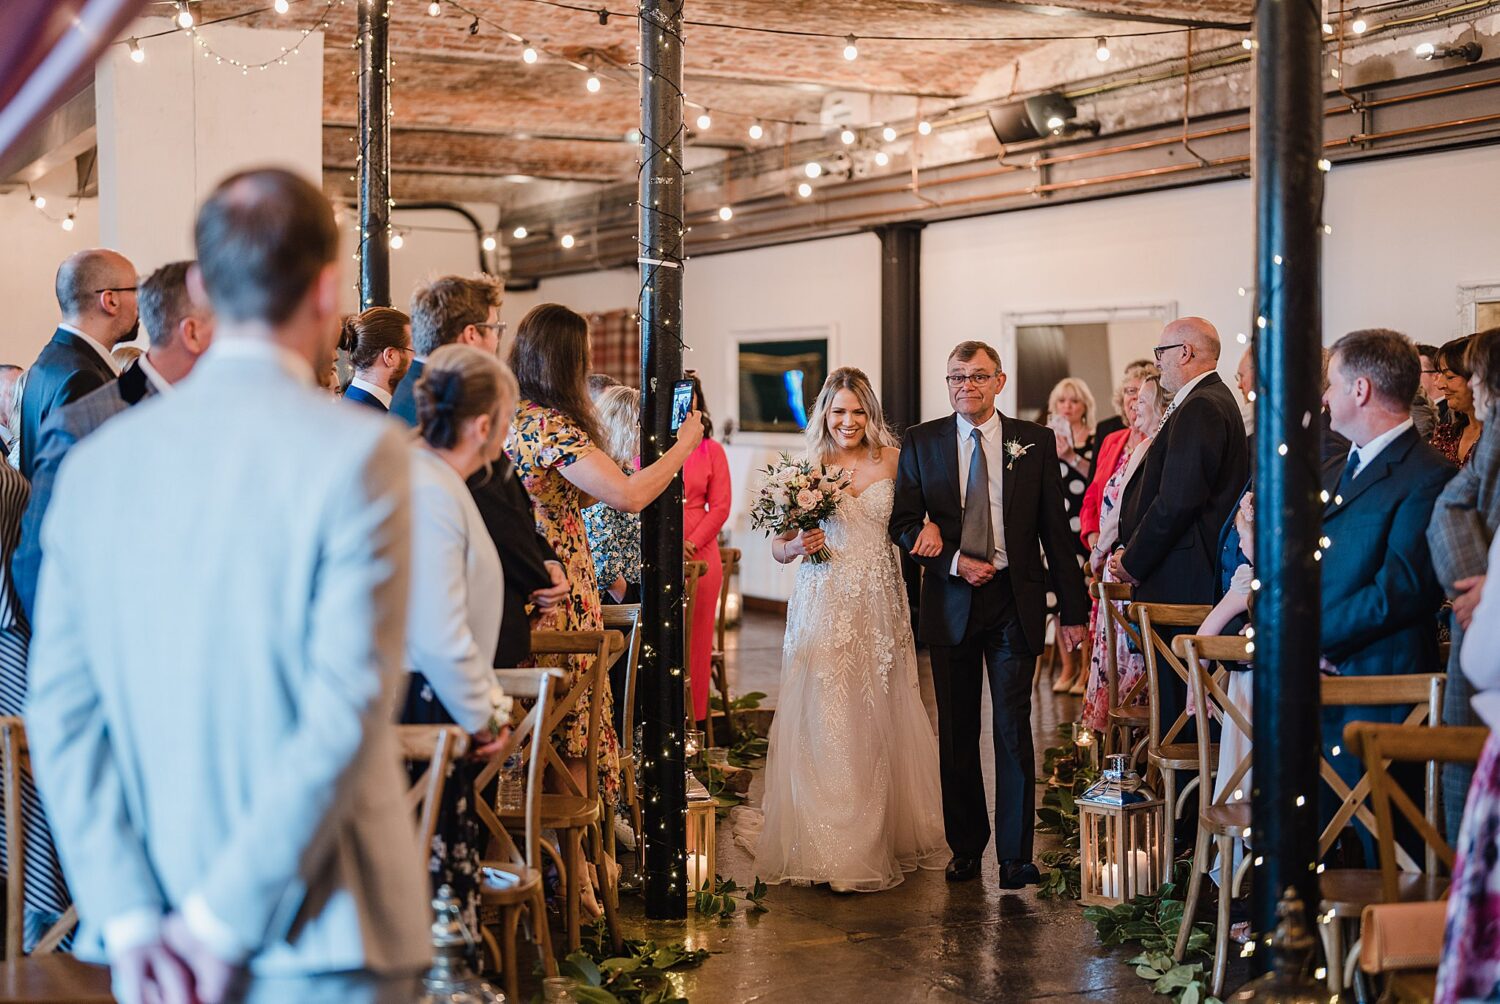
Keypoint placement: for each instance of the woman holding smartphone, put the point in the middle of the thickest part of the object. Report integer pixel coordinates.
(1070, 416)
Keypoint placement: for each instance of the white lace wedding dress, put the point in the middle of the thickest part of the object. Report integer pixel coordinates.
(852, 794)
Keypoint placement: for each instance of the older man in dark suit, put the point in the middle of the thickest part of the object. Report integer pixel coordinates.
(1464, 521)
(180, 332)
(96, 294)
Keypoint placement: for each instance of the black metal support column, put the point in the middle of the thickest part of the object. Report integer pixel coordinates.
(374, 162)
(663, 658)
(901, 323)
(1288, 141)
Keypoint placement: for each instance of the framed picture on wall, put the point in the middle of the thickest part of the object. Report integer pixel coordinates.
(1478, 308)
(776, 376)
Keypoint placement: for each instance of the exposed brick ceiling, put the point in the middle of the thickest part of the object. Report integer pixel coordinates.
(470, 114)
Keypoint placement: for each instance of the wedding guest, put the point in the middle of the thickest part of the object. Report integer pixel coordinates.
(464, 403)
(1244, 382)
(1115, 448)
(1149, 404)
(1469, 968)
(1433, 386)
(378, 345)
(180, 332)
(614, 536)
(96, 294)
(453, 308)
(10, 405)
(1070, 416)
(706, 496)
(1380, 595)
(599, 383)
(1456, 439)
(1464, 521)
(1172, 508)
(1122, 417)
(210, 711)
(553, 442)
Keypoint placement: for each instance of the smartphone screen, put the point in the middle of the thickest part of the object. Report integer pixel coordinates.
(682, 401)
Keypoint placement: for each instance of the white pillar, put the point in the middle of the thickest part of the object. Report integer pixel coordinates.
(173, 126)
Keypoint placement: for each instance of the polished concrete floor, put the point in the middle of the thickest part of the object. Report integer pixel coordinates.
(926, 940)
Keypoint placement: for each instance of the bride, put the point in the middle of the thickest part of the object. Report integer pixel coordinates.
(852, 791)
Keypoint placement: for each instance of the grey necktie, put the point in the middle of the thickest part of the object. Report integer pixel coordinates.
(977, 539)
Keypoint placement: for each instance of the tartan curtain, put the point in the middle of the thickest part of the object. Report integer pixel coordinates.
(615, 345)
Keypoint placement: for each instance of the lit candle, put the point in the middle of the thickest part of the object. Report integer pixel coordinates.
(697, 870)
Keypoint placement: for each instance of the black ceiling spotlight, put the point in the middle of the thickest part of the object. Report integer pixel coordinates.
(1037, 117)
(1469, 52)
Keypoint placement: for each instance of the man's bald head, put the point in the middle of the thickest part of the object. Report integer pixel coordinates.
(83, 274)
(1199, 333)
(1188, 347)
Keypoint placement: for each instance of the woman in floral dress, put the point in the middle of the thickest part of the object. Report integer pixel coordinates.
(553, 444)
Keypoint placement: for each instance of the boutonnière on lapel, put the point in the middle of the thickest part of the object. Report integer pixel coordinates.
(1015, 450)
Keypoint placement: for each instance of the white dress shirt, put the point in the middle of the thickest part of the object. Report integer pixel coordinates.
(457, 589)
(1182, 394)
(378, 393)
(158, 382)
(994, 455)
(1373, 448)
(89, 341)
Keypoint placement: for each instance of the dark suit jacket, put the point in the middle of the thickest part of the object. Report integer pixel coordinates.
(65, 371)
(62, 430)
(506, 510)
(404, 400)
(359, 395)
(927, 488)
(1172, 510)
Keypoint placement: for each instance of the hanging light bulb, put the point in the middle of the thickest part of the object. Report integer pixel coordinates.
(756, 131)
(40, 201)
(847, 137)
(1359, 25)
(1325, 165)
(567, 240)
(1101, 49)
(1247, 43)
(1327, 28)
(813, 169)
(184, 16)
(592, 84)
(804, 190)
(397, 240)
(282, 6)
(726, 213)
(851, 48)
(67, 223)
(489, 242)
(519, 233)
(882, 158)
(704, 121)
(888, 134)
(137, 54)
(434, 9)
(924, 127)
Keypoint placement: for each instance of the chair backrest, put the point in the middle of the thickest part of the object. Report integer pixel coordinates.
(598, 645)
(15, 764)
(529, 739)
(729, 557)
(1113, 621)
(1205, 657)
(626, 618)
(1380, 745)
(1155, 650)
(1424, 693)
(437, 746)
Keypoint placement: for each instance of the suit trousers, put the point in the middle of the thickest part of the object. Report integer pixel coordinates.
(994, 644)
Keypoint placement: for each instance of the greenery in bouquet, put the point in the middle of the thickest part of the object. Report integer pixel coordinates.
(798, 495)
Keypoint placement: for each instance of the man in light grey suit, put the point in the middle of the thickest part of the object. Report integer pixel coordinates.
(180, 332)
(211, 707)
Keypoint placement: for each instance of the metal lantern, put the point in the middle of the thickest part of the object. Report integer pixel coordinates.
(702, 835)
(1291, 947)
(450, 980)
(1120, 836)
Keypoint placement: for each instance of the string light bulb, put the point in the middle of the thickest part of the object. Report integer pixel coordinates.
(489, 242)
(397, 241)
(592, 84)
(137, 54)
(726, 213)
(1359, 26)
(924, 127)
(704, 121)
(847, 137)
(434, 9)
(851, 48)
(1325, 165)
(1101, 49)
(813, 169)
(528, 55)
(184, 16)
(882, 158)
(804, 190)
(67, 223)
(1327, 28)
(282, 6)
(1247, 43)
(567, 240)
(888, 134)
(40, 201)
(756, 130)
(519, 233)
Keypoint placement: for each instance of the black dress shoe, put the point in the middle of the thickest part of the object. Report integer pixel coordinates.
(1018, 874)
(962, 869)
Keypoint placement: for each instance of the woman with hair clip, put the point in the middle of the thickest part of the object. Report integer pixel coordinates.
(706, 497)
(378, 345)
(615, 536)
(464, 402)
(852, 796)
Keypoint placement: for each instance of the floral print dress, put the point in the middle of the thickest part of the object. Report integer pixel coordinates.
(542, 442)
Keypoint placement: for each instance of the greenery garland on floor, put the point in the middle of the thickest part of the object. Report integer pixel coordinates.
(639, 975)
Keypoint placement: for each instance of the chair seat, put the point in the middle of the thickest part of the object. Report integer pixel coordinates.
(559, 812)
(1347, 891)
(1181, 756)
(519, 893)
(1232, 820)
(1133, 715)
(54, 977)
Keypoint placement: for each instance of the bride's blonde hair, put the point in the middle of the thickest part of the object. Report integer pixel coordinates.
(878, 435)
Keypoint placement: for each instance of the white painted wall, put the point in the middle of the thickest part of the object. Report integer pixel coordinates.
(33, 246)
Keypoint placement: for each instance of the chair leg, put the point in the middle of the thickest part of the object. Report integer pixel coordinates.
(1169, 820)
(720, 673)
(542, 933)
(573, 853)
(1196, 868)
(1334, 944)
(609, 889)
(510, 919)
(1221, 926)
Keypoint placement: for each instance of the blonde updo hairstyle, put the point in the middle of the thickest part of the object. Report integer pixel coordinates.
(619, 410)
(878, 435)
(461, 383)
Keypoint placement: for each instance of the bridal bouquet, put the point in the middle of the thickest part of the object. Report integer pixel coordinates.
(799, 495)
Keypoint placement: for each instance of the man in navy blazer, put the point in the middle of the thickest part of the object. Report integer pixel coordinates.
(451, 308)
(96, 294)
(1380, 594)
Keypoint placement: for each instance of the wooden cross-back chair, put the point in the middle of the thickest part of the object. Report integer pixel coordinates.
(575, 811)
(1128, 712)
(1345, 892)
(1166, 750)
(436, 746)
(1223, 818)
(692, 575)
(512, 872)
(45, 974)
(729, 557)
(626, 618)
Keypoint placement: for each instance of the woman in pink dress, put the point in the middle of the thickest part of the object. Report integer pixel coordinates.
(705, 507)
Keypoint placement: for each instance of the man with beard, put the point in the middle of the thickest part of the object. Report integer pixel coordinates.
(378, 344)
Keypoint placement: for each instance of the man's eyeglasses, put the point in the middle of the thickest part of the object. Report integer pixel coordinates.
(977, 379)
(1431, 372)
(116, 289)
(499, 326)
(1164, 348)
